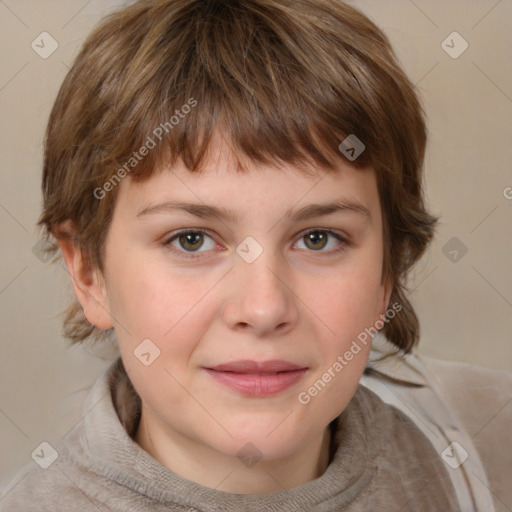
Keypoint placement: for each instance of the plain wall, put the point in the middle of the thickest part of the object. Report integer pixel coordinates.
(464, 306)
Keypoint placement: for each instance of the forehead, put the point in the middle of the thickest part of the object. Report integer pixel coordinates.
(234, 186)
(259, 188)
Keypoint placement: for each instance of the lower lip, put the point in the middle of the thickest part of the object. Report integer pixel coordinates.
(251, 384)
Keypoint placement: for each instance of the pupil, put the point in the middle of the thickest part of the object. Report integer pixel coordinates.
(315, 238)
(189, 240)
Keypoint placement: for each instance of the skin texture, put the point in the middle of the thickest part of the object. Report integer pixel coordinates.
(298, 301)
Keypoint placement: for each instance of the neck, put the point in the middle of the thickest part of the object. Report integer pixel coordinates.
(210, 468)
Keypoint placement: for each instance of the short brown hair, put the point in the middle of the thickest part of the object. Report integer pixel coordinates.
(284, 81)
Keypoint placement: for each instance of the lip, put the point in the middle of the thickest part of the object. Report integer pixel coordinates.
(258, 379)
(250, 366)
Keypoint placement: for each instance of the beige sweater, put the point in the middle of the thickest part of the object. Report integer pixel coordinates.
(380, 462)
(454, 404)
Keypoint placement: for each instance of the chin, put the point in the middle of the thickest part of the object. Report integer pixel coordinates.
(266, 443)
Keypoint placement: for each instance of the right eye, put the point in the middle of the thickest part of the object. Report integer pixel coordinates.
(189, 241)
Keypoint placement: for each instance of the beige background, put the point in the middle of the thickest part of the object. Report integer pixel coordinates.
(465, 306)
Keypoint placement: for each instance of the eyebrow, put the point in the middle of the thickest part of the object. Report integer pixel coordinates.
(213, 212)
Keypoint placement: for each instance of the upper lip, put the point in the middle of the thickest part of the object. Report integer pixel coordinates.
(249, 366)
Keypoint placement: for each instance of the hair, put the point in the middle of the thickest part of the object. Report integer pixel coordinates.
(284, 82)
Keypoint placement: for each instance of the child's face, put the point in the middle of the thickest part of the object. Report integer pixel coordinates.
(299, 301)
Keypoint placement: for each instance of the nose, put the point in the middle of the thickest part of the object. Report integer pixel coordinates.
(261, 300)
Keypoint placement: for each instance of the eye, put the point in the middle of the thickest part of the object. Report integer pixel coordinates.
(318, 239)
(190, 241)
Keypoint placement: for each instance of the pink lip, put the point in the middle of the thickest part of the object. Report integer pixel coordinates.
(253, 378)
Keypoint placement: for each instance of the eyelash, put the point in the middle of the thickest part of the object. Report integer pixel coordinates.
(193, 255)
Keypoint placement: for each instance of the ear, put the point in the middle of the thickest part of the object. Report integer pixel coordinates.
(88, 282)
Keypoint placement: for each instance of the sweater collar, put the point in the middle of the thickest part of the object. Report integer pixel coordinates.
(388, 362)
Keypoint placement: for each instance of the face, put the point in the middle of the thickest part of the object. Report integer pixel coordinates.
(250, 288)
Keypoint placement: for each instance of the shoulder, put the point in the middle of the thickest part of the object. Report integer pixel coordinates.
(386, 422)
(482, 399)
(407, 467)
(459, 402)
(477, 394)
(393, 435)
(34, 489)
(68, 484)
(70, 479)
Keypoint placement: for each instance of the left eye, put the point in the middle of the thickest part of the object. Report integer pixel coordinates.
(317, 240)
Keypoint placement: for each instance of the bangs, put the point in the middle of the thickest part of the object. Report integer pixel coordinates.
(227, 68)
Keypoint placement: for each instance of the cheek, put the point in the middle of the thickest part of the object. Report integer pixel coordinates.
(349, 301)
(168, 308)
(172, 308)
(348, 307)
(150, 300)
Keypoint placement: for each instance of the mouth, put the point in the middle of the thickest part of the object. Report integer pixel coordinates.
(258, 379)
